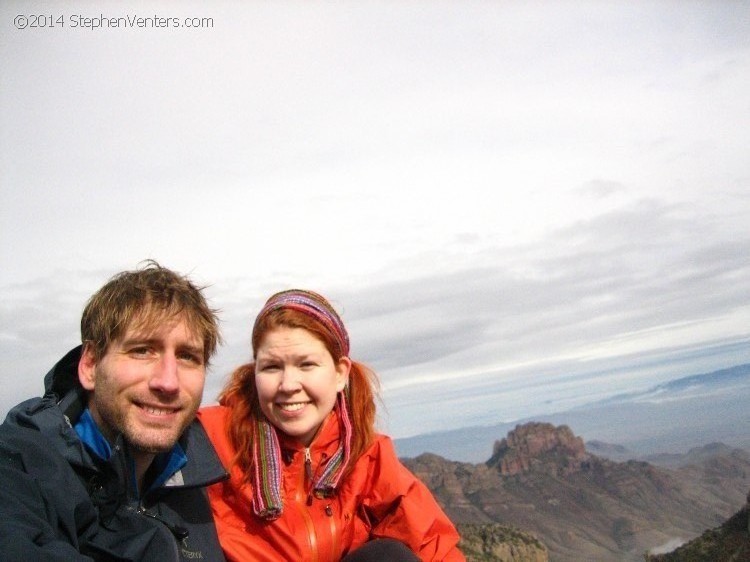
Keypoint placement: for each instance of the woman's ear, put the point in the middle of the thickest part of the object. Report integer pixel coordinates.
(87, 367)
(343, 368)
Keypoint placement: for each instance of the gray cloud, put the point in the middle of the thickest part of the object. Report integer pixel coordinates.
(490, 172)
(641, 268)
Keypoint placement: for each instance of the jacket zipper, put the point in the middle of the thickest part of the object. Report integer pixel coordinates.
(178, 532)
(307, 478)
(309, 473)
(334, 530)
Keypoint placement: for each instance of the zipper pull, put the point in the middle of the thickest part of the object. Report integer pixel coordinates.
(308, 464)
(179, 532)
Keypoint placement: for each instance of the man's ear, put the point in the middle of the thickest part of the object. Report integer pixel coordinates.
(87, 367)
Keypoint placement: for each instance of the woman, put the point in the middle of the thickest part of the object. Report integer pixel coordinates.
(309, 477)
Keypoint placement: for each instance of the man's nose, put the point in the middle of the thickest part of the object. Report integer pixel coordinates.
(165, 377)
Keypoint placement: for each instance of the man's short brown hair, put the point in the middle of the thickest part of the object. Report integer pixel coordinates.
(143, 298)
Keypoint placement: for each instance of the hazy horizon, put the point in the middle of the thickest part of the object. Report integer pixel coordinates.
(670, 418)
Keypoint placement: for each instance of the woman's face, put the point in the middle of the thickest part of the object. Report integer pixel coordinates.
(297, 381)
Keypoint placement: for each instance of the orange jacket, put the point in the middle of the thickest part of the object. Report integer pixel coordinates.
(379, 498)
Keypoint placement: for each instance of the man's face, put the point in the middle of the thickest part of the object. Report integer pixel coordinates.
(147, 386)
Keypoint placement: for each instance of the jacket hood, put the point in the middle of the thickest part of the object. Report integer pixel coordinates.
(63, 377)
(54, 414)
(62, 390)
(62, 386)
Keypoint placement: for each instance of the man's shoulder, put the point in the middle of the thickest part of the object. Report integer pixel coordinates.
(27, 448)
(37, 426)
(20, 420)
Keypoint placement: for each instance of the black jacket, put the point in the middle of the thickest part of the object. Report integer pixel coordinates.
(59, 502)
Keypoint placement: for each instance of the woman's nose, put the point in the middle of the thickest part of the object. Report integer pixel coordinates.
(290, 380)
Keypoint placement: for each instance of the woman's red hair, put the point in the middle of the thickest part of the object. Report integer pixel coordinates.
(241, 397)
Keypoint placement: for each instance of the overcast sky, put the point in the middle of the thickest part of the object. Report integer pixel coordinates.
(516, 206)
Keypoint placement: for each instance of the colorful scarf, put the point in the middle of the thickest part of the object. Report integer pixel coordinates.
(267, 467)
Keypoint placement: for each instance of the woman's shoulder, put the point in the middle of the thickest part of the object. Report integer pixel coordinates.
(216, 421)
(379, 467)
(213, 418)
(381, 447)
(213, 411)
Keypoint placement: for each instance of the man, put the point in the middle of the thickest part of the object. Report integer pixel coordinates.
(110, 464)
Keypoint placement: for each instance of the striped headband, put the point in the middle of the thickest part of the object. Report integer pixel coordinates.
(313, 305)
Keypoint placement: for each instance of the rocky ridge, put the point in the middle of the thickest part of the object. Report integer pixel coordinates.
(541, 479)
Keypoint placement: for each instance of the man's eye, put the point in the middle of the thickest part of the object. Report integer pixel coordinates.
(191, 358)
(139, 351)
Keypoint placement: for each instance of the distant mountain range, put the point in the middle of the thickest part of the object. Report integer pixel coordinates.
(542, 480)
(668, 418)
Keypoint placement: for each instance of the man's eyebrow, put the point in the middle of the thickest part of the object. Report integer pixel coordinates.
(141, 339)
(198, 348)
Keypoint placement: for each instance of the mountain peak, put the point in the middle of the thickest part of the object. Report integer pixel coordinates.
(535, 447)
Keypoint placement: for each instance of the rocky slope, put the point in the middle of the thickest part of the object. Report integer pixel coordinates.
(541, 479)
(492, 542)
(728, 543)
